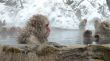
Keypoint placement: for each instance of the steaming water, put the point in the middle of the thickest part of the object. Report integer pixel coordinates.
(61, 36)
(65, 37)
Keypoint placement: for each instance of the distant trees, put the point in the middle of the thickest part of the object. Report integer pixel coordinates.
(108, 3)
(2, 1)
(21, 3)
(2, 23)
(8, 31)
(69, 2)
(13, 2)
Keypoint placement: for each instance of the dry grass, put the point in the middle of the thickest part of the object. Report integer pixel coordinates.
(69, 54)
(25, 57)
(8, 53)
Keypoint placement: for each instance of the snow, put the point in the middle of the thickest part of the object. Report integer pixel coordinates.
(60, 15)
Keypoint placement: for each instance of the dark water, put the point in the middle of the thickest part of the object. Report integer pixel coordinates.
(61, 36)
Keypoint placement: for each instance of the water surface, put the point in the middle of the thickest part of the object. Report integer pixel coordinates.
(61, 36)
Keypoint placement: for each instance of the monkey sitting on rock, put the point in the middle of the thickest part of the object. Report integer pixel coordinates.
(36, 32)
(102, 29)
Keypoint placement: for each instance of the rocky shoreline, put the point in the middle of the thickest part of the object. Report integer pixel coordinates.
(51, 53)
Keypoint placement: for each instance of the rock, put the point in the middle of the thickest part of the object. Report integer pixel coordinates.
(51, 53)
(56, 45)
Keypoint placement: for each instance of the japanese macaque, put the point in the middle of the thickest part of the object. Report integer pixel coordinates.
(82, 26)
(36, 30)
(87, 37)
(97, 23)
(103, 31)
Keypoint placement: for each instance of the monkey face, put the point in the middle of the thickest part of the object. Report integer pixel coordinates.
(40, 25)
(46, 29)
